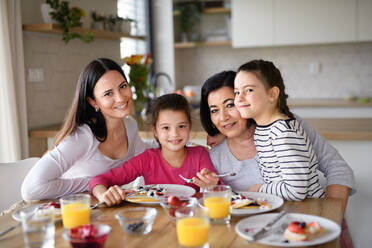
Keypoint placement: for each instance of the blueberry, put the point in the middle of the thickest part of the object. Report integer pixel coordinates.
(303, 224)
(152, 194)
(140, 187)
(286, 241)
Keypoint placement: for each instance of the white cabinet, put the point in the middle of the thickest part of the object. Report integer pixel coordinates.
(296, 22)
(252, 23)
(316, 21)
(364, 32)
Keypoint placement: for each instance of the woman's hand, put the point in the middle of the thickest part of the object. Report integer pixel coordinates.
(254, 187)
(205, 178)
(112, 196)
(213, 141)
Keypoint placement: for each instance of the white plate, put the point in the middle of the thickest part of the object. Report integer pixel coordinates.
(172, 189)
(273, 200)
(248, 226)
(17, 214)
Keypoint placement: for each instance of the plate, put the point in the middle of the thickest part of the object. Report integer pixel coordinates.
(172, 189)
(17, 214)
(273, 200)
(248, 226)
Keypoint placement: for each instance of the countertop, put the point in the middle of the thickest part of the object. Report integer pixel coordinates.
(347, 129)
(333, 103)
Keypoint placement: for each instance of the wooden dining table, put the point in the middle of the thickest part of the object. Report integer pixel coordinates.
(163, 233)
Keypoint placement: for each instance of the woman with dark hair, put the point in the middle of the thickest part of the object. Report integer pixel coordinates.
(98, 134)
(234, 149)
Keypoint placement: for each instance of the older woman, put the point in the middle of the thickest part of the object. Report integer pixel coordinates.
(237, 153)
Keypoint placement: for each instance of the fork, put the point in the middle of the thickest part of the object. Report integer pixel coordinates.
(188, 180)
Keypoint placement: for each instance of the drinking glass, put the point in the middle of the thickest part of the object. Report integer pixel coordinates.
(75, 210)
(217, 199)
(192, 226)
(38, 227)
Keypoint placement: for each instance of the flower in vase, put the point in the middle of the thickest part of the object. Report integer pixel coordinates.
(139, 69)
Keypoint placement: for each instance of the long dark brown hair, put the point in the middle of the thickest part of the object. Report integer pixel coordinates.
(271, 77)
(81, 112)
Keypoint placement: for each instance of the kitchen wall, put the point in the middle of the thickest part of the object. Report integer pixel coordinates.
(48, 101)
(344, 69)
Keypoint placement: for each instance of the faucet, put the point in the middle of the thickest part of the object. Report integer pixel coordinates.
(153, 81)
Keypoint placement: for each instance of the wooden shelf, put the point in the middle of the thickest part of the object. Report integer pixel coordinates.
(56, 29)
(210, 11)
(201, 44)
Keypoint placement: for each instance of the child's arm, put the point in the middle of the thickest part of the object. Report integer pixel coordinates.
(124, 174)
(112, 196)
(205, 177)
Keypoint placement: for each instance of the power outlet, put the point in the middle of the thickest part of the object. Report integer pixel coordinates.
(314, 67)
(36, 75)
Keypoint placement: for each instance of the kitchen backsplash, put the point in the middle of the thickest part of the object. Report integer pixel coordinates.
(48, 101)
(314, 71)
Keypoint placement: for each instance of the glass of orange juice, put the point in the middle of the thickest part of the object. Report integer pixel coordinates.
(192, 226)
(217, 199)
(75, 210)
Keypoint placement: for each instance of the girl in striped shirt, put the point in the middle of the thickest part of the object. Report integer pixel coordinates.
(287, 160)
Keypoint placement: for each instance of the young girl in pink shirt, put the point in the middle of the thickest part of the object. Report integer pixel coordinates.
(171, 127)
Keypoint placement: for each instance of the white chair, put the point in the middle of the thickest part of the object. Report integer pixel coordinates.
(11, 178)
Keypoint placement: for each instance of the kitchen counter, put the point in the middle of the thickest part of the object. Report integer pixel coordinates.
(311, 103)
(340, 129)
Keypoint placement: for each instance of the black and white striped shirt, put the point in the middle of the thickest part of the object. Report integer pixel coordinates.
(288, 163)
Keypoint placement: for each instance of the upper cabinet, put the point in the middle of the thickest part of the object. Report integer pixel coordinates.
(252, 23)
(364, 9)
(314, 22)
(296, 22)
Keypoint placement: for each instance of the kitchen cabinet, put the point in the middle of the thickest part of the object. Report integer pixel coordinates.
(364, 10)
(207, 11)
(252, 23)
(297, 22)
(312, 22)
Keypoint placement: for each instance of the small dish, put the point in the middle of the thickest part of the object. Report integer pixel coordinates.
(137, 221)
(85, 236)
(171, 203)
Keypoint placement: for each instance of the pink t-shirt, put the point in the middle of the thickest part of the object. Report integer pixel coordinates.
(151, 165)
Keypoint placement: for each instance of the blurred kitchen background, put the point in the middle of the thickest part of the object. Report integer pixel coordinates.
(322, 47)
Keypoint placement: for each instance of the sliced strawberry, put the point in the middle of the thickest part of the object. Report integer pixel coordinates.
(174, 201)
(159, 193)
(172, 211)
(294, 227)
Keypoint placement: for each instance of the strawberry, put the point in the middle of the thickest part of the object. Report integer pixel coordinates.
(174, 201)
(172, 211)
(296, 228)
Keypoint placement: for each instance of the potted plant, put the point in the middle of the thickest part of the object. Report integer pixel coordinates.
(98, 20)
(123, 25)
(139, 69)
(68, 18)
(189, 18)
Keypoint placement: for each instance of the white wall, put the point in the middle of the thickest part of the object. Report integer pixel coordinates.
(345, 69)
(358, 212)
(48, 101)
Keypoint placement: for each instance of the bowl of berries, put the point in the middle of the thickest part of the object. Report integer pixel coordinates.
(86, 236)
(137, 221)
(171, 203)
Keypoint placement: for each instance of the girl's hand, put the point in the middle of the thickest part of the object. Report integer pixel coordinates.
(112, 196)
(205, 178)
(213, 141)
(254, 187)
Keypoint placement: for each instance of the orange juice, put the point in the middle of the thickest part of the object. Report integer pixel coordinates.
(75, 214)
(192, 231)
(219, 207)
